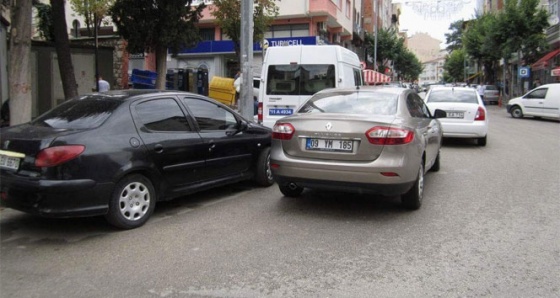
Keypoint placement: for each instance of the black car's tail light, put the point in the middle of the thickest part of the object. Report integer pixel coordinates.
(54, 156)
(283, 131)
(384, 135)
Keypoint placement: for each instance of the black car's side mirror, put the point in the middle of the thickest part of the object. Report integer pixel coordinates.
(439, 114)
(237, 128)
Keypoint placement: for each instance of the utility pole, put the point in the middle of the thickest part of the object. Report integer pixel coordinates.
(245, 103)
(375, 34)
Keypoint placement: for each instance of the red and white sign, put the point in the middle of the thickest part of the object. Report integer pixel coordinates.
(555, 72)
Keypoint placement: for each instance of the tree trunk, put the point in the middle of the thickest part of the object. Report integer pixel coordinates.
(19, 68)
(62, 45)
(161, 67)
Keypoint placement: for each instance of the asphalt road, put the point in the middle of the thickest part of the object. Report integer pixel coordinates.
(489, 227)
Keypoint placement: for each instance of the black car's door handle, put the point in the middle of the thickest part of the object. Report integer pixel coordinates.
(158, 148)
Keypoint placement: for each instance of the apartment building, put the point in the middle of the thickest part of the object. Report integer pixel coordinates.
(300, 22)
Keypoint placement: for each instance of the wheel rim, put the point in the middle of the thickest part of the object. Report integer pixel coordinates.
(134, 201)
(516, 113)
(268, 169)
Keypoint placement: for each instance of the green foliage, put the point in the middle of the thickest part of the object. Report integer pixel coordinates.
(151, 24)
(92, 10)
(228, 18)
(454, 39)
(454, 66)
(45, 21)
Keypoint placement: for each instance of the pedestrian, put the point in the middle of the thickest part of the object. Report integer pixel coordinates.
(237, 85)
(537, 83)
(102, 84)
(480, 90)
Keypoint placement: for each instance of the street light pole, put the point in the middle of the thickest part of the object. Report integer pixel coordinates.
(375, 35)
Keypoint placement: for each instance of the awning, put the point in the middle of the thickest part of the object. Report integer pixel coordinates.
(555, 72)
(543, 62)
(372, 77)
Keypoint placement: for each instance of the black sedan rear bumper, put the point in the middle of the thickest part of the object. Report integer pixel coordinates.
(55, 198)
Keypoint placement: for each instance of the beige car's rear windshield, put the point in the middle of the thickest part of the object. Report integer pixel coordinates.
(367, 103)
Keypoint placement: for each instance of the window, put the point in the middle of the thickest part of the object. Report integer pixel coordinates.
(450, 95)
(295, 30)
(208, 115)
(348, 8)
(537, 94)
(416, 106)
(350, 102)
(299, 79)
(206, 33)
(162, 115)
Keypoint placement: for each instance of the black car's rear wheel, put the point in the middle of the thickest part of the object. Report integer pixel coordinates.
(413, 198)
(132, 203)
(263, 176)
(290, 190)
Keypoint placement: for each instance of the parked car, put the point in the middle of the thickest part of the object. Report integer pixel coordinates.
(491, 94)
(543, 101)
(371, 139)
(117, 153)
(466, 114)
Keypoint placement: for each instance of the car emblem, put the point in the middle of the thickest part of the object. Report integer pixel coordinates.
(328, 126)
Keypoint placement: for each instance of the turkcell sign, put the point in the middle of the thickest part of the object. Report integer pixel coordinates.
(226, 46)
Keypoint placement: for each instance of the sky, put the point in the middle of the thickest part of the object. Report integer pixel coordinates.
(433, 16)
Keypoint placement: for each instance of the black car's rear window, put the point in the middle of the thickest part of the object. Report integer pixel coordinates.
(368, 103)
(452, 95)
(82, 113)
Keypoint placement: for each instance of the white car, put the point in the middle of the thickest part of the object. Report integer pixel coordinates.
(543, 101)
(466, 114)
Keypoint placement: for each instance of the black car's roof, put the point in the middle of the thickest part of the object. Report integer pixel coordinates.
(129, 93)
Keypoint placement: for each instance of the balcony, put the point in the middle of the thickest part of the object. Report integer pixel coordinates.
(322, 7)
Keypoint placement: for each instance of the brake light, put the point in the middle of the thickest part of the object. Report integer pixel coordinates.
(260, 112)
(283, 131)
(384, 135)
(55, 156)
(480, 114)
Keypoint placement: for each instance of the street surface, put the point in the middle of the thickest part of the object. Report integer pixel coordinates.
(489, 226)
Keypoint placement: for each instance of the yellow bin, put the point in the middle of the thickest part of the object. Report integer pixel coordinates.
(222, 90)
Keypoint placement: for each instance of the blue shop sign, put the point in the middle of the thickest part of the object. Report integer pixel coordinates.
(226, 46)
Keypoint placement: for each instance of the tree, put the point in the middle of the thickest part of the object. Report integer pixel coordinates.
(454, 39)
(156, 26)
(44, 20)
(19, 77)
(93, 11)
(480, 44)
(228, 18)
(388, 44)
(62, 45)
(454, 66)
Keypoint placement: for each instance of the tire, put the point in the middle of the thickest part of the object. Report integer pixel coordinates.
(482, 141)
(412, 199)
(132, 203)
(263, 176)
(516, 112)
(435, 166)
(290, 190)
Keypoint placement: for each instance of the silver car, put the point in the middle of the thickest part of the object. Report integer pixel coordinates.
(379, 140)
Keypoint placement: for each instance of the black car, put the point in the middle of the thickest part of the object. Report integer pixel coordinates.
(117, 153)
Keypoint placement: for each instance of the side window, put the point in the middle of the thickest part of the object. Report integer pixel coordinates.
(358, 77)
(162, 115)
(414, 108)
(538, 94)
(422, 105)
(209, 116)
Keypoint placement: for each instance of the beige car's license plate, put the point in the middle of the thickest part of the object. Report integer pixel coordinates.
(329, 145)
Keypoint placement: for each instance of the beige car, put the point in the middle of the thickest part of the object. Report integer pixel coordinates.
(379, 140)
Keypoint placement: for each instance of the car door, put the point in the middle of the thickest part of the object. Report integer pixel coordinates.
(176, 149)
(551, 104)
(533, 101)
(428, 127)
(228, 151)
